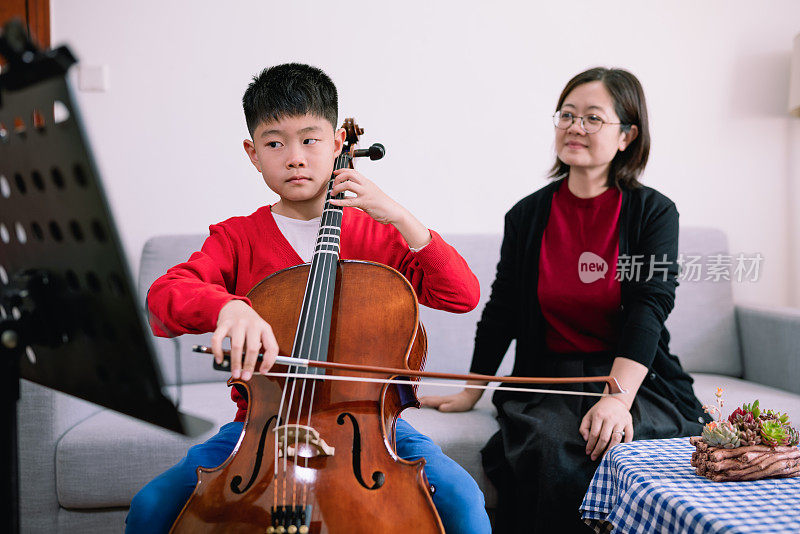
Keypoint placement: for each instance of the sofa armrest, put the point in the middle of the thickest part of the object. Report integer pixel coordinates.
(770, 342)
(43, 416)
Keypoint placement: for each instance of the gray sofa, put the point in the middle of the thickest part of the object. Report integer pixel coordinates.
(81, 465)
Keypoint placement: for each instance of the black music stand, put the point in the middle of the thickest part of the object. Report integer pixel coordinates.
(69, 318)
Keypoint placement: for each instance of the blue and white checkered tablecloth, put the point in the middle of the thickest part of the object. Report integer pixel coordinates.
(650, 486)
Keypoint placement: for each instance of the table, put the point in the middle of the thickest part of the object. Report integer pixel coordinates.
(649, 486)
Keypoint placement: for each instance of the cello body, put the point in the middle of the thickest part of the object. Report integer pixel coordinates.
(318, 455)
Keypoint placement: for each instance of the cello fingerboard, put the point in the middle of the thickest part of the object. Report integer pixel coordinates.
(313, 328)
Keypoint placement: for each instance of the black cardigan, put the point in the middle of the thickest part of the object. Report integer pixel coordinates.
(648, 227)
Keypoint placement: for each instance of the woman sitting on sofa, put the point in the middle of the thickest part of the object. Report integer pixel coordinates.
(586, 279)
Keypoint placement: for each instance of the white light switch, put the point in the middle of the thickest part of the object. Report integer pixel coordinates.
(93, 78)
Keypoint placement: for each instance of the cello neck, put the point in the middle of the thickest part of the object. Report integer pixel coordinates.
(330, 227)
(313, 329)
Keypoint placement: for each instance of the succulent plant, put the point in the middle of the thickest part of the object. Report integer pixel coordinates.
(793, 437)
(771, 415)
(739, 416)
(774, 434)
(721, 434)
(752, 408)
(749, 433)
(749, 437)
(748, 425)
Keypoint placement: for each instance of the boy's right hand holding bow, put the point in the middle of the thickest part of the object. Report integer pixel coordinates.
(250, 334)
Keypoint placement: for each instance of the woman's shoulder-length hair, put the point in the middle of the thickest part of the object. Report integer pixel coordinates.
(631, 108)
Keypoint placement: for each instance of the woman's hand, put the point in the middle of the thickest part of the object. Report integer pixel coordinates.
(460, 402)
(607, 423)
(249, 333)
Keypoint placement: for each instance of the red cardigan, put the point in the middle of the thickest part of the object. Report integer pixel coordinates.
(242, 251)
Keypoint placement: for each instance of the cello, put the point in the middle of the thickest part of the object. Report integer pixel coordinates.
(317, 456)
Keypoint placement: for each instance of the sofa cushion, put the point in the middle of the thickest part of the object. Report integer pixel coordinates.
(770, 337)
(104, 460)
(159, 254)
(451, 336)
(460, 435)
(703, 322)
(105, 521)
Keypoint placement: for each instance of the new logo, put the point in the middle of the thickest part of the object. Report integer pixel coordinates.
(591, 267)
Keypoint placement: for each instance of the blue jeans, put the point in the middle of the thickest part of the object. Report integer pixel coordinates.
(458, 499)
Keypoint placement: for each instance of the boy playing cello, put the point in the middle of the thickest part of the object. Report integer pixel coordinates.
(291, 112)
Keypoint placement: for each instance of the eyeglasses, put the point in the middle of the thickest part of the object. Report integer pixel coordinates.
(590, 123)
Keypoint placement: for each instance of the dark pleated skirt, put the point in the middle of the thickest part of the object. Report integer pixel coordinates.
(537, 459)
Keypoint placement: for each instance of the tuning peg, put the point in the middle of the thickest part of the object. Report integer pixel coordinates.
(376, 151)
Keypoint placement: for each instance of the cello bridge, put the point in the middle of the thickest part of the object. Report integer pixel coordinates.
(301, 441)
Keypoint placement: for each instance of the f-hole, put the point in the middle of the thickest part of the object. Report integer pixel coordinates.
(378, 477)
(237, 480)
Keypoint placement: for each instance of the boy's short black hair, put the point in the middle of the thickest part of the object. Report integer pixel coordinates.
(289, 90)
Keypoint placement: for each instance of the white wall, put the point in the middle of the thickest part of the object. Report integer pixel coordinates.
(461, 94)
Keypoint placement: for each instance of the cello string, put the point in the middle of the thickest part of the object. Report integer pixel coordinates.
(277, 462)
(332, 218)
(315, 279)
(331, 263)
(332, 259)
(307, 339)
(283, 399)
(310, 284)
(319, 276)
(310, 410)
(283, 443)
